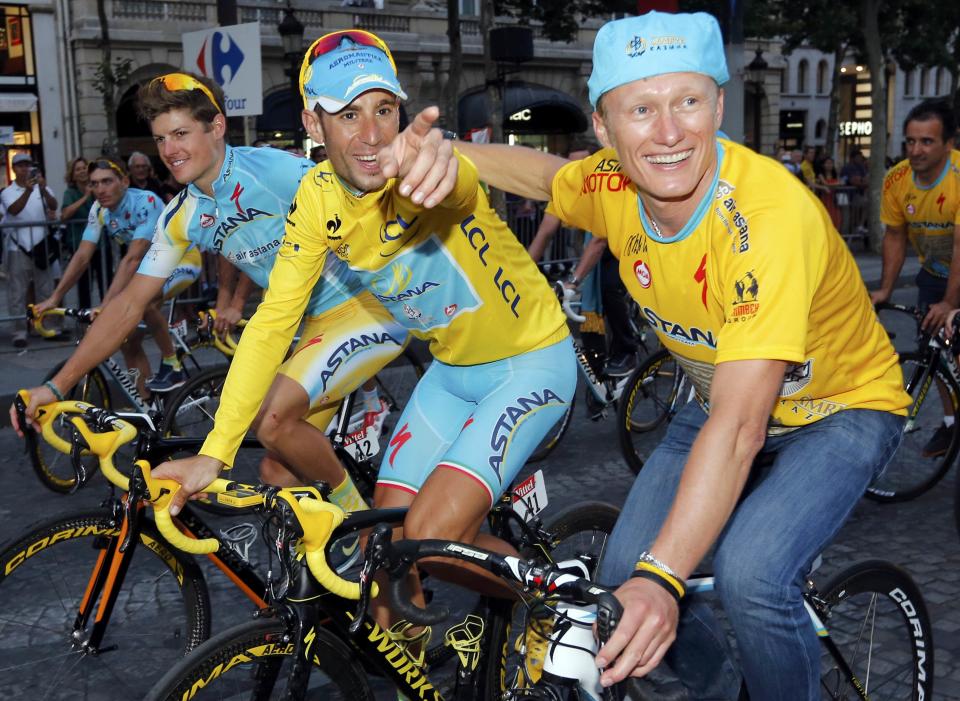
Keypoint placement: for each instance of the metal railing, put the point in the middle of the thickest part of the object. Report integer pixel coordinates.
(847, 206)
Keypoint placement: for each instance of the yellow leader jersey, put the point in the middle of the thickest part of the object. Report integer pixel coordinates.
(759, 272)
(931, 213)
(454, 275)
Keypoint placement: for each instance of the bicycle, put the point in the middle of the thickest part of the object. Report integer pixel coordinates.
(49, 465)
(97, 602)
(602, 391)
(913, 471)
(246, 660)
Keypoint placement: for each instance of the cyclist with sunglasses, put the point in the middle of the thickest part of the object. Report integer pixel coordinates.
(130, 216)
(235, 204)
(448, 270)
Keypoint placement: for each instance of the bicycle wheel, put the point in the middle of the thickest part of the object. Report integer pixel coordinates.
(55, 469)
(651, 396)
(912, 470)
(552, 439)
(578, 533)
(162, 611)
(236, 664)
(878, 622)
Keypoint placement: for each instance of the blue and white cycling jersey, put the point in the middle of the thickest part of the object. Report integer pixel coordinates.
(244, 221)
(135, 217)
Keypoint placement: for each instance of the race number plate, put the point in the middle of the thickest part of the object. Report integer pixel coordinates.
(530, 496)
(363, 445)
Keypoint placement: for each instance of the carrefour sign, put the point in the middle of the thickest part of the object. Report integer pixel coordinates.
(231, 56)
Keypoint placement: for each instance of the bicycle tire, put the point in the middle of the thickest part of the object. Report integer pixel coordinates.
(572, 534)
(221, 667)
(162, 610)
(554, 436)
(909, 473)
(901, 658)
(645, 406)
(53, 468)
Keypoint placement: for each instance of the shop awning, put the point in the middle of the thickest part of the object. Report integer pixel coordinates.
(528, 108)
(18, 102)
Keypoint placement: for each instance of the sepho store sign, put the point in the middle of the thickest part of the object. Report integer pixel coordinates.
(231, 57)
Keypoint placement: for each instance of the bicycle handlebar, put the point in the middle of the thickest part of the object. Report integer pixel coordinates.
(316, 518)
(226, 345)
(566, 295)
(84, 315)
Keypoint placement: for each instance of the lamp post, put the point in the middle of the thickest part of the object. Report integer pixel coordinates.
(756, 72)
(291, 38)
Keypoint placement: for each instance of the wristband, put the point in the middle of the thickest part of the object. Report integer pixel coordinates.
(672, 587)
(647, 557)
(572, 279)
(53, 388)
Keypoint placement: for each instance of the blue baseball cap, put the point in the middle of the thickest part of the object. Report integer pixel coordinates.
(342, 65)
(630, 49)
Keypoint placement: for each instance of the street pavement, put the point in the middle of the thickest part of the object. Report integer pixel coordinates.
(919, 535)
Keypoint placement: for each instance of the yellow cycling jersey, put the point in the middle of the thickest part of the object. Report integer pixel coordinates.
(930, 213)
(454, 275)
(759, 272)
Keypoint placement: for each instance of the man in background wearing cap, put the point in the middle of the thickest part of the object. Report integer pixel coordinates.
(446, 268)
(738, 268)
(26, 199)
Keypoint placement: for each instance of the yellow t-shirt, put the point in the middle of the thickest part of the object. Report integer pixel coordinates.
(931, 214)
(454, 275)
(759, 272)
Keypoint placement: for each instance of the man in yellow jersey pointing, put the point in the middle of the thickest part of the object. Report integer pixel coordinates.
(738, 268)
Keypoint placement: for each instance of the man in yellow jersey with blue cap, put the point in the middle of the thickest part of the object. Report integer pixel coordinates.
(446, 268)
(738, 268)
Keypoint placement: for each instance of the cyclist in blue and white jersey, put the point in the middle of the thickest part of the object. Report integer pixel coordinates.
(235, 203)
(129, 216)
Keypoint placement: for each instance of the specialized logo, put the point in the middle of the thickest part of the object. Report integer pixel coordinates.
(796, 377)
(207, 220)
(701, 277)
(642, 271)
(397, 285)
(232, 222)
(399, 439)
(394, 234)
(348, 349)
(402, 663)
(511, 418)
(224, 61)
(745, 303)
(692, 336)
(940, 200)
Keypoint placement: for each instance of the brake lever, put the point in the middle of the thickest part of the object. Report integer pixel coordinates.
(136, 489)
(609, 613)
(374, 556)
(77, 445)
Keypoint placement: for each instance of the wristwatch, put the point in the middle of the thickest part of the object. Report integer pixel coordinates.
(572, 279)
(449, 135)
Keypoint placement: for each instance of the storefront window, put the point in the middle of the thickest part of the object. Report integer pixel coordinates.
(16, 51)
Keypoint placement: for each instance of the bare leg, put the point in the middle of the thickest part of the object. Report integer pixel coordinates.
(157, 324)
(135, 358)
(302, 447)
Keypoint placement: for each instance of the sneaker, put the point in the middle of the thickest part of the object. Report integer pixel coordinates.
(621, 365)
(939, 442)
(376, 418)
(166, 379)
(344, 553)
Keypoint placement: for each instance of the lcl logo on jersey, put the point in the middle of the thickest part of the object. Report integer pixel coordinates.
(642, 271)
(218, 55)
